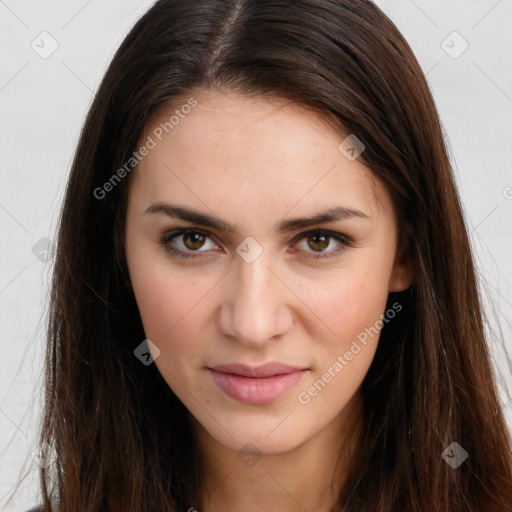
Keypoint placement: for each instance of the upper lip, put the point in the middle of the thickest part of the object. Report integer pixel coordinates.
(265, 370)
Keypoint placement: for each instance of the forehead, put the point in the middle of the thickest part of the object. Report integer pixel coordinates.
(256, 151)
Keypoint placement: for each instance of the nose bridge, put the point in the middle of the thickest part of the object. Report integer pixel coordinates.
(254, 310)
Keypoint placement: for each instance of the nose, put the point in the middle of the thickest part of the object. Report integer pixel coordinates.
(255, 303)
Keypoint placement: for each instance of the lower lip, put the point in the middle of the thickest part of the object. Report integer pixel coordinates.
(252, 390)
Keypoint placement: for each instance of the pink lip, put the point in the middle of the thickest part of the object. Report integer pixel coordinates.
(256, 385)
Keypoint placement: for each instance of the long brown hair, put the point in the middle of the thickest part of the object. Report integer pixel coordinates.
(121, 438)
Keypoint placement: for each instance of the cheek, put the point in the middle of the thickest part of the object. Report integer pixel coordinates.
(174, 318)
(352, 311)
(169, 302)
(347, 304)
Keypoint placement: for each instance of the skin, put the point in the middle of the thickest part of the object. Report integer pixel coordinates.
(254, 163)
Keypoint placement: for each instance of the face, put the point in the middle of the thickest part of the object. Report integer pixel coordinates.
(226, 268)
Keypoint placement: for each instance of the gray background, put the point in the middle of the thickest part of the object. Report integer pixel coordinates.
(43, 102)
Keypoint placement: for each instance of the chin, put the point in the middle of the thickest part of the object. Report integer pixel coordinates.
(265, 436)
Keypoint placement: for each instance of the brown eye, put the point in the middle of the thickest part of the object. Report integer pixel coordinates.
(187, 242)
(322, 244)
(193, 241)
(318, 242)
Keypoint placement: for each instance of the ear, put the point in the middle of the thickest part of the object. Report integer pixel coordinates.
(402, 274)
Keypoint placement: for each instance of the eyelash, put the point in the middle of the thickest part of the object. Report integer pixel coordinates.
(343, 240)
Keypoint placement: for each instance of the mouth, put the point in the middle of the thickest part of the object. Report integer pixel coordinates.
(256, 385)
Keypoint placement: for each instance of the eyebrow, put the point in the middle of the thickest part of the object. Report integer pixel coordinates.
(335, 213)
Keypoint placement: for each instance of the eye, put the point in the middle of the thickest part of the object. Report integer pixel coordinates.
(320, 240)
(191, 240)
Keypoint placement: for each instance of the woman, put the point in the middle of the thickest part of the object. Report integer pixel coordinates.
(264, 296)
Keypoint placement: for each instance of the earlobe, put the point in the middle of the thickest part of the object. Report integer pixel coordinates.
(402, 275)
